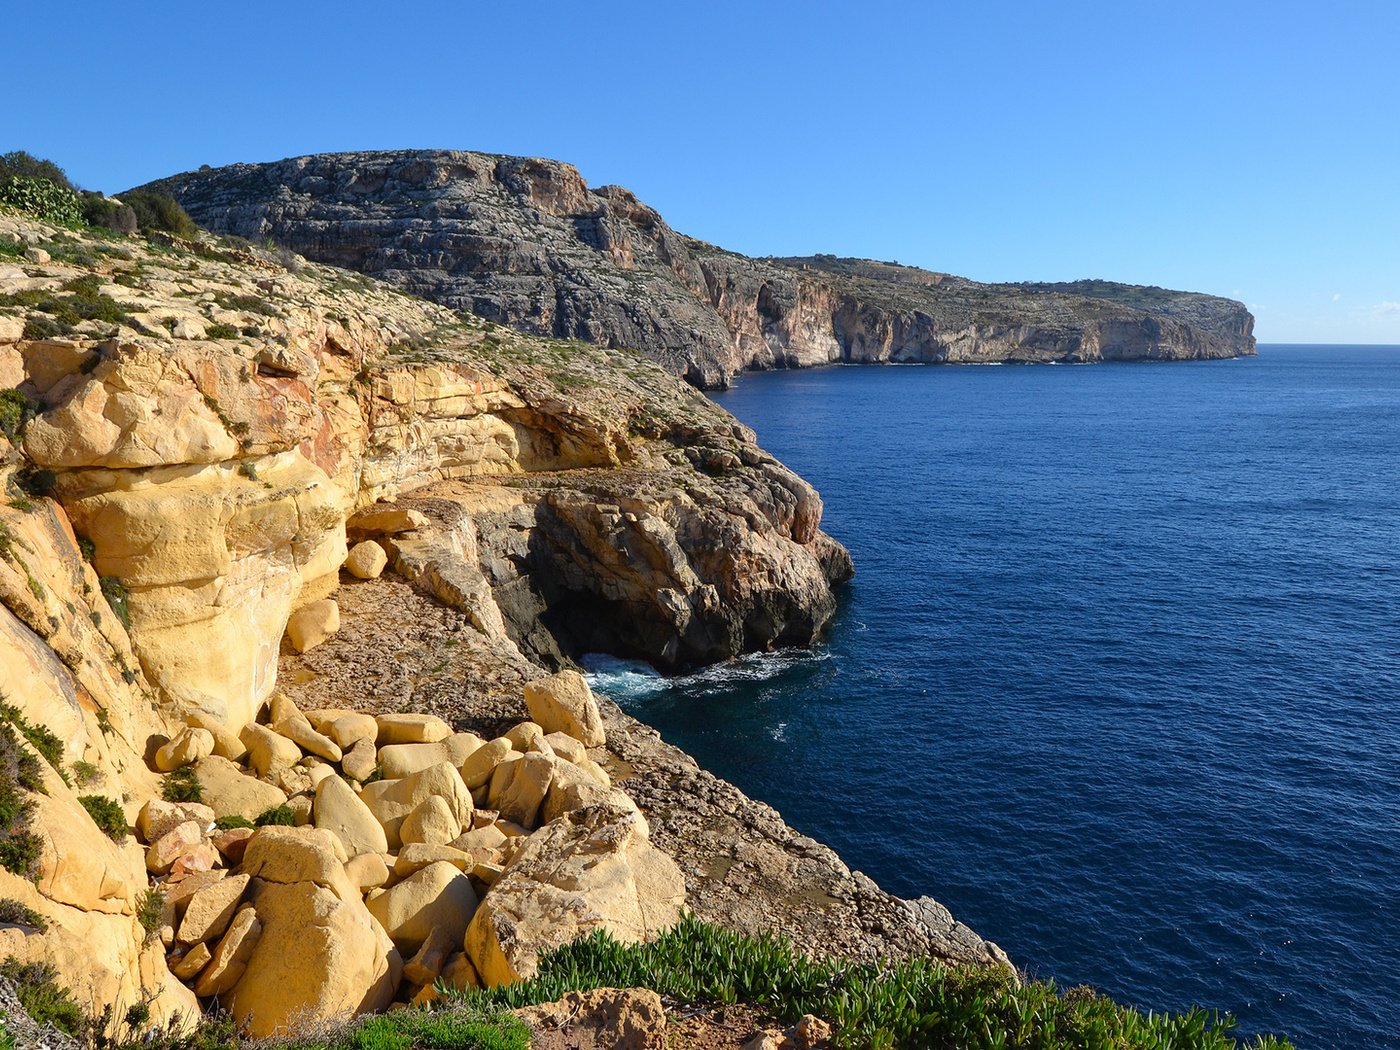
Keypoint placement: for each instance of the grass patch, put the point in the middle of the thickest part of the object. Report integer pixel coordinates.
(182, 786)
(107, 814)
(233, 820)
(279, 816)
(916, 1004)
(17, 913)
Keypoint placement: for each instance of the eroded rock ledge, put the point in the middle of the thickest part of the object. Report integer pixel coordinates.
(526, 242)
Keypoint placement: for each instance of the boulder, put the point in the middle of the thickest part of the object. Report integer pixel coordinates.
(415, 856)
(399, 760)
(288, 855)
(528, 736)
(384, 521)
(321, 958)
(189, 745)
(440, 895)
(411, 729)
(298, 730)
(566, 747)
(477, 768)
(521, 788)
(563, 703)
(426, 966)
(360, 760)
(226, 744)
(230, 956)
(158, 816)
(187, 966)
(230, 792)
(616, 1018)
(366, 560)
(268, 752)
(459, 973)
(174, 844)
(432, 822)
(340, 811)
(312, 624)
(573, 788)
(203, 856)
(349, 729)
(367, 871)
(588, 870)
(209, 912)
(392, 800)
(233, 843)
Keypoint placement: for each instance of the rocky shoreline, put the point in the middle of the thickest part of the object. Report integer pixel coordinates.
(264, 523)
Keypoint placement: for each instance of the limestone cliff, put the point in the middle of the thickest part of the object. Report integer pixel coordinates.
(527, 243)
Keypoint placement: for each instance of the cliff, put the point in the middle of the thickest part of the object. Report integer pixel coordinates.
(208, 454)
(525, 242)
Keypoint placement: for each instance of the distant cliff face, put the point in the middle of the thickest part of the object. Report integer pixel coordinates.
(527, 243)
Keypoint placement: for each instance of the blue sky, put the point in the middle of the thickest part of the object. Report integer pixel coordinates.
(1246, 149)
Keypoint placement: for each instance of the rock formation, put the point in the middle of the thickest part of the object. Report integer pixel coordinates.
(525, 242)
(192, 436)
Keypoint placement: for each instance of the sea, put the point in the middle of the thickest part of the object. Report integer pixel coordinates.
(1118, 678)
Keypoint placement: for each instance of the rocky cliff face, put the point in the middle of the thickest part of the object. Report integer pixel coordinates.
(527, 243)
(187, 432)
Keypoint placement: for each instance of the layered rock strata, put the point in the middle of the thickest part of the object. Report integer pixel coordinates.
(526, 242)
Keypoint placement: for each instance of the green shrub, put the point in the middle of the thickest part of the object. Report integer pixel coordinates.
(16, 409)
(86, 773)
(41, 198)
(107, 814)
(19, 773)
(26, 165)
(118, 597)
(43, 998)
(40, 737)
(108, 214)
(283, 816)
(17, 913)
(160, 211)
(149, 910)
(221, 331)
(233, 820)
(182, 786)
(913, 1004)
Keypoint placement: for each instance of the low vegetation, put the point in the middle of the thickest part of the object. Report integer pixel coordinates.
(107, 814)
(182, 786)
(43, 998)
(916, 1004)
(17, 913)
(41, 188)
(280, 816)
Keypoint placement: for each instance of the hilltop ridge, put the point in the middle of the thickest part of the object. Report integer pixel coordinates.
(527, 243)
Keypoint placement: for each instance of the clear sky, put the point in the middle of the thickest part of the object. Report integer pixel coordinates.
(1249, 149)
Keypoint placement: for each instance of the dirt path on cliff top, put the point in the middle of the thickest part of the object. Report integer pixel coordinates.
(745, 869)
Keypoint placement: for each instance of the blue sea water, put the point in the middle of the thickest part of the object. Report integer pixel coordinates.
(1118, 680)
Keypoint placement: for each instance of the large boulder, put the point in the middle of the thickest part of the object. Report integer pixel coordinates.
(590, 869)
(340, 811)
(399, 760)
(436, 897)
(563, 703)
(393, 800)
(320, 958)
(230, 791)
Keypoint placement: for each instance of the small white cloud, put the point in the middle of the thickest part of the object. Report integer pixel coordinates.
(1388, 307)
(1336, 297)
(1237, 293)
